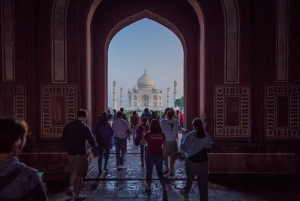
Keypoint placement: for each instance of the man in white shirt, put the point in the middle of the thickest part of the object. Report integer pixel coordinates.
(170, 128)
(120, 127)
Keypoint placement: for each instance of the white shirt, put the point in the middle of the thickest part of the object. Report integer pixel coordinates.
(120, 126)
(170, 128)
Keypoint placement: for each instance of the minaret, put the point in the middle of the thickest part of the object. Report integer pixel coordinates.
(121, 97)
(175, 91)
(168, 97)
(115, 106)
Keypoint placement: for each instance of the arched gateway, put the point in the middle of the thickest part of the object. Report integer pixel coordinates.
(240, 73)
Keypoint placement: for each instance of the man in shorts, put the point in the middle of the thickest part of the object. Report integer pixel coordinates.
(170, 128)
(75, 134)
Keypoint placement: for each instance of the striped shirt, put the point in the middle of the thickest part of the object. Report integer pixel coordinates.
(20, 182)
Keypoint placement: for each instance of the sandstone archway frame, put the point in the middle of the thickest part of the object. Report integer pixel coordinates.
(196, 103)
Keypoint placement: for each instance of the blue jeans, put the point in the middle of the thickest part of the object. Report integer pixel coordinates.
(100, 151)
(121, 145)
(133, 133)
(158, 162)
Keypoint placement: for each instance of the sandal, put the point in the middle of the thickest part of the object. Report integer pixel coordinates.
(166, 171)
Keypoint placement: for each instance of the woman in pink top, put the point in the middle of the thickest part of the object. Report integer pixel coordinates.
(155, 139)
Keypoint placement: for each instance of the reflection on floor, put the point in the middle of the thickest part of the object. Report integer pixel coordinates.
(129, 184)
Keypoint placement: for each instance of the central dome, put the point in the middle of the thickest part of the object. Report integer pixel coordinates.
(145, 82)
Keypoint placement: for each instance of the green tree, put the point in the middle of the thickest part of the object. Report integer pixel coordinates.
(179, 102)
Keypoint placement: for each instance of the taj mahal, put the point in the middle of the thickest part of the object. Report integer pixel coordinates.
(144, 94)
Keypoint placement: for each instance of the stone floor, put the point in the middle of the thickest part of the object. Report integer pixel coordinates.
(129, 185)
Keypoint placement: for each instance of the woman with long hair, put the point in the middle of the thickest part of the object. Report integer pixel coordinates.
(103, 133)
(155, 139)
(194, 146)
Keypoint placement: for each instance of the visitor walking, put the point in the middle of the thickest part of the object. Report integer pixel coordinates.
(120, 127)
(103, 133)
(134, 120)
(75, 134)
(123, 114)
(109, 117)
(170, 128)
(141, 131)
(157, 115)
(153, 116)
(194, 146)
(155, 139)
(114, 115)
(146, 114)
(181, 118)
(17, 181)
(164, 116)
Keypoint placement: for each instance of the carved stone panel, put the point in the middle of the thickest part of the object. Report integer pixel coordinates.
(232, 112)
(58, 107)
(282, 106)
(12, 101)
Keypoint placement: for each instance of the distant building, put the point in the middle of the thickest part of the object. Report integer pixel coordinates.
(145, 94)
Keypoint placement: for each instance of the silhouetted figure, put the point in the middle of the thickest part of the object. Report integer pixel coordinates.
(17, 181)
(75, 134)
(155, 139)
(194, 146)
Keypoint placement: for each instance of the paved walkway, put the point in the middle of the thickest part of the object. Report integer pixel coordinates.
(129, 185)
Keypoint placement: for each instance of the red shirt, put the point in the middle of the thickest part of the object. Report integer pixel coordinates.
(181, 118)
(155, 142)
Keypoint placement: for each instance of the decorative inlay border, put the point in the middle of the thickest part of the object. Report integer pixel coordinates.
(18, 91)
(50, 112)
(244, 128)
(294, 129)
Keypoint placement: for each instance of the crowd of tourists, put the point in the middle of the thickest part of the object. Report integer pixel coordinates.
(155, 136)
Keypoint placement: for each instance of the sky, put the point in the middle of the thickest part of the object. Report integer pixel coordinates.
(145, 45)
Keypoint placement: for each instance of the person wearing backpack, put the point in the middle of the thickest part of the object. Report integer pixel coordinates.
(17, 181)
(141, 131)
(103, 133)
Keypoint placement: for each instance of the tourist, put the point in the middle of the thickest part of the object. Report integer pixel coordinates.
(170, 128)
(194, 146)
(157, 115)
(141, 131)
(153, 116)
(120, 127)
(146, 114)
(134, 120)
(103, 133)
(115, 114)
(75, 134)
(181, 118)
(178, 116)
(123, 114)
(17, 181)
(164, 116)
(109, 117)
(155, 139)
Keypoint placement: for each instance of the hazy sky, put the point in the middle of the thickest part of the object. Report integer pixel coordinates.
(145, 45)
